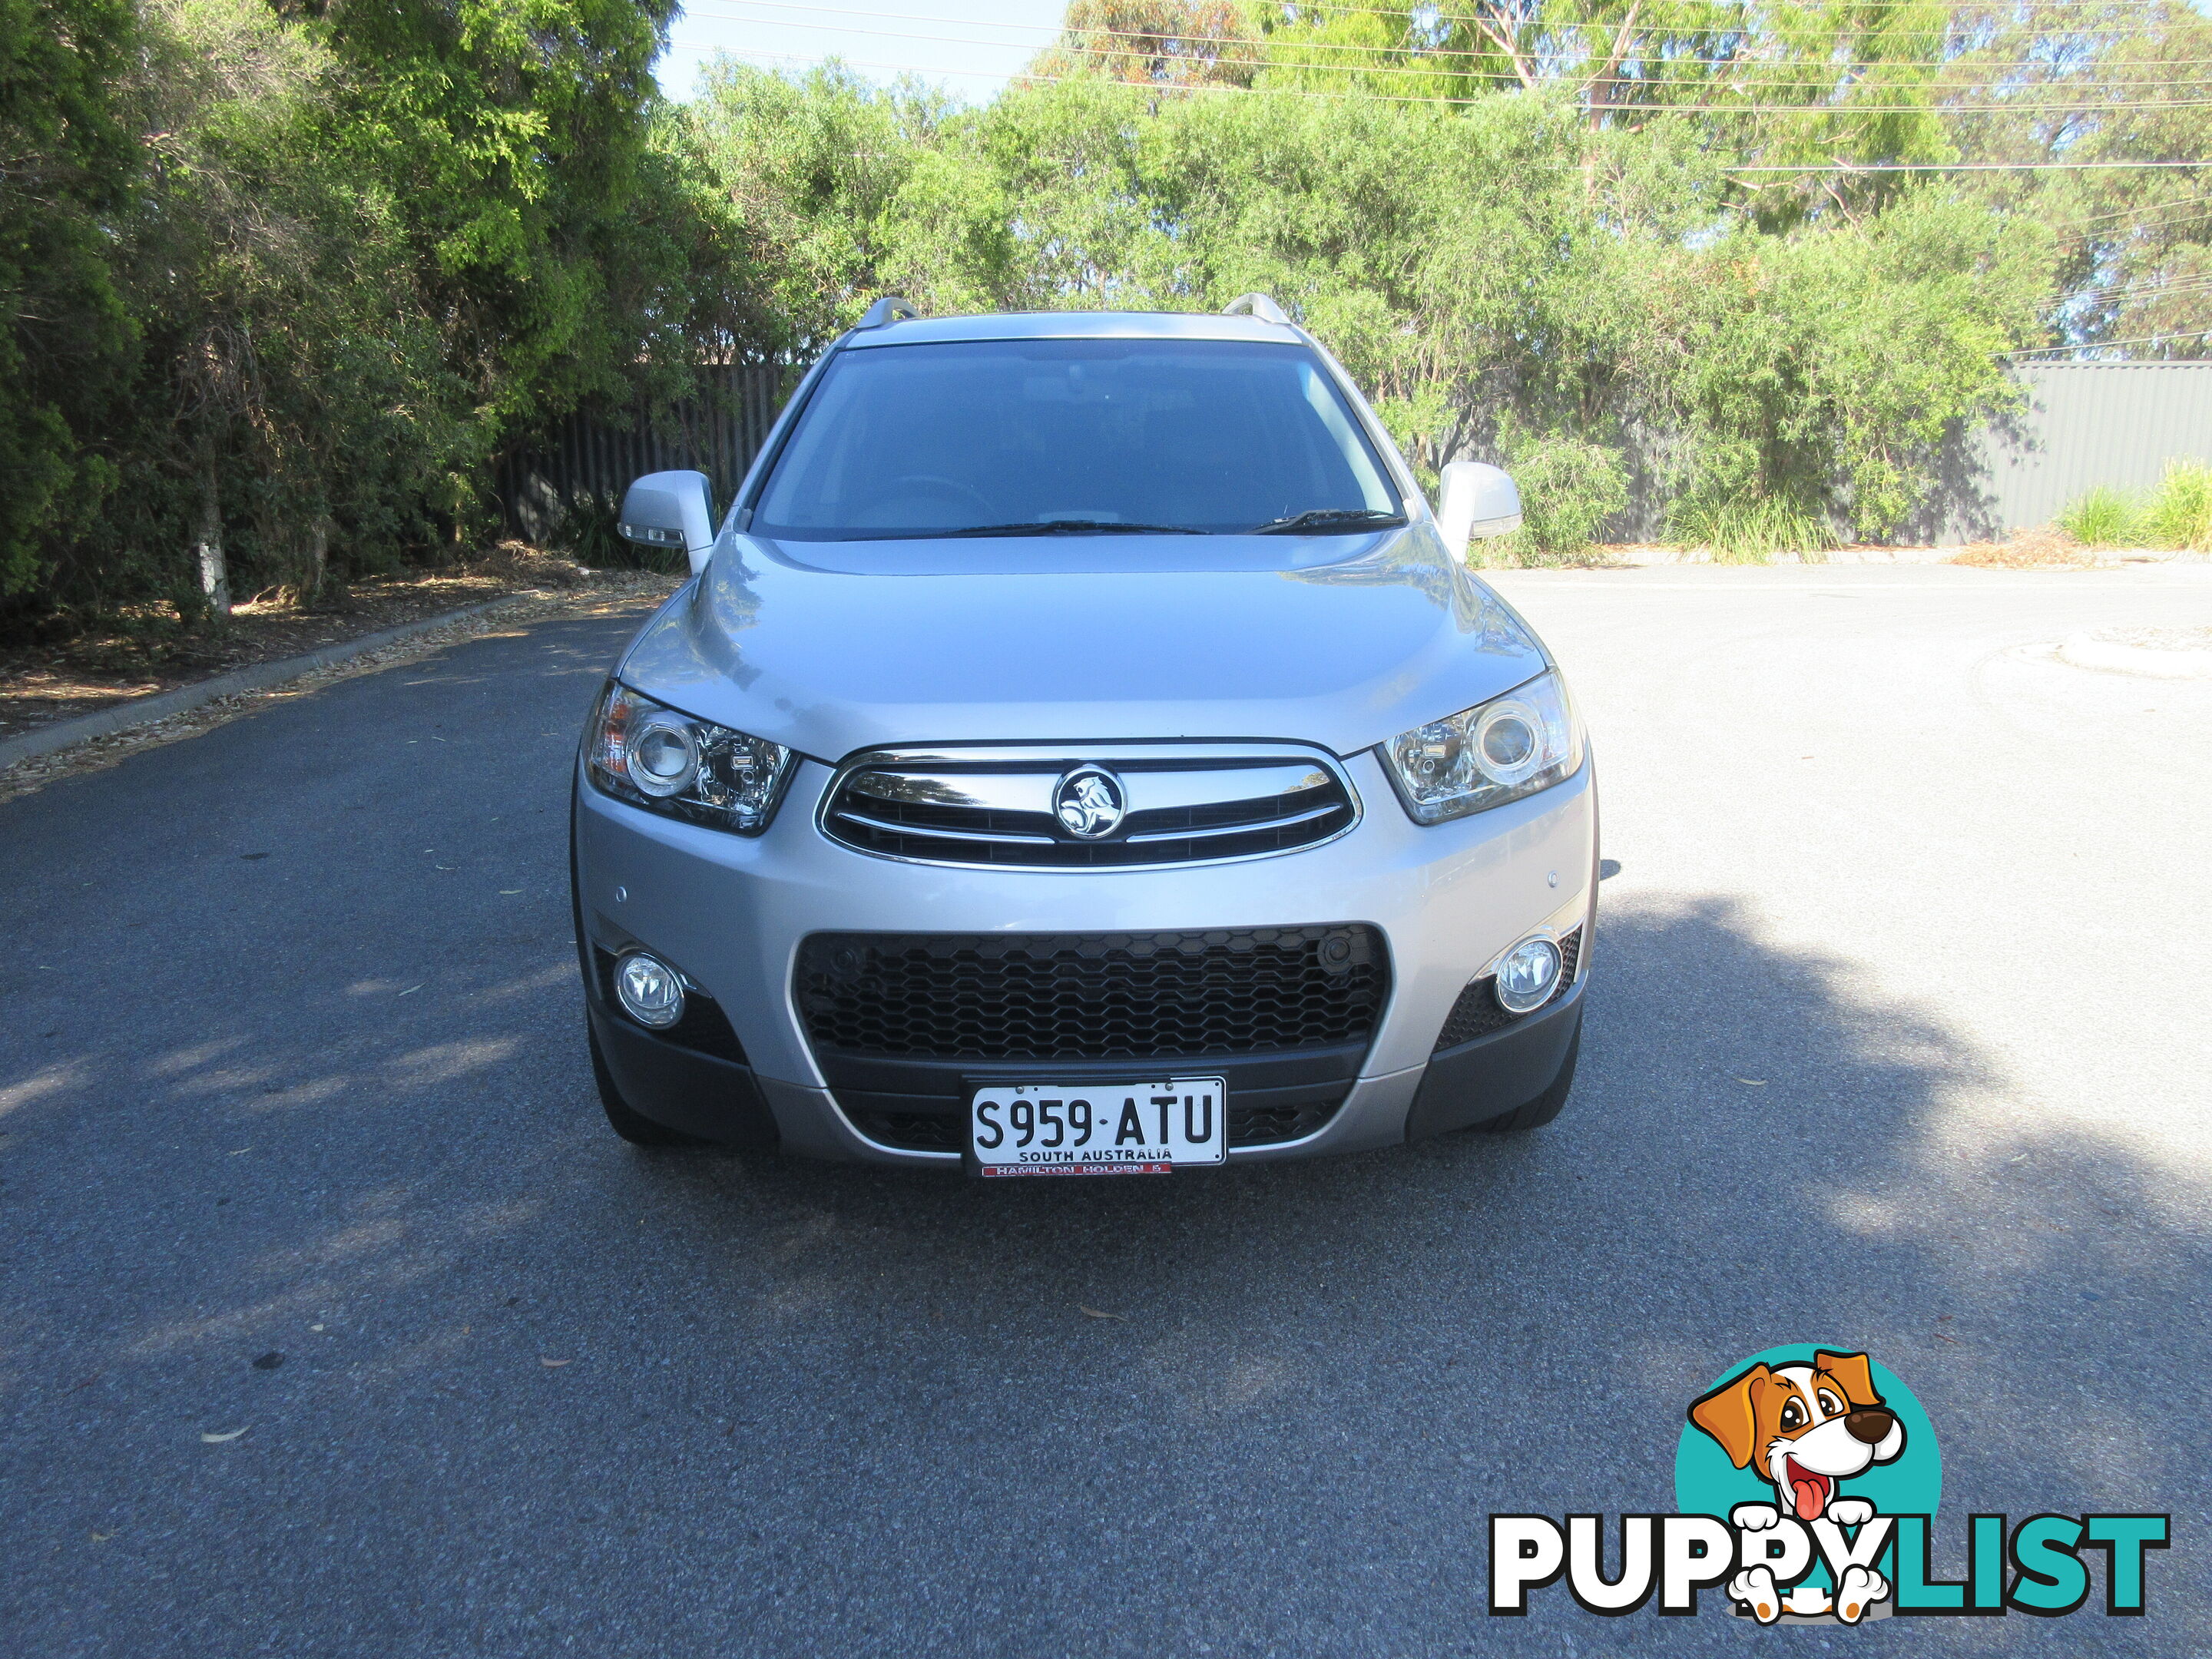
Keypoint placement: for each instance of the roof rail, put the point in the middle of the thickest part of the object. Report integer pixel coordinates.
(888, 310)
(1258, 307)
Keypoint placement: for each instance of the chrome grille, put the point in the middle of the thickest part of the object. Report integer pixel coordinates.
(1183, 804)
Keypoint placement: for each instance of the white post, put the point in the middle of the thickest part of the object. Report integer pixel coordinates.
(215, 574)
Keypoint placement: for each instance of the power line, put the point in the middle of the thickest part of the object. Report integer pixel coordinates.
(1058, 35)
(1970, 13)
(1747, 7)
(1799, 168)
(2200, 216)
(2005, 15)
(1165, 88)
(2102, 345)
(1749, 10)
(1612, 106)
(1948, 110)
(2133, 226)
(1063, 28)
(2182, 286)
(2123, 213)
(1962, 166)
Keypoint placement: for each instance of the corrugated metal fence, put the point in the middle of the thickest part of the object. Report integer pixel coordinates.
(2083, 424)
(590, 459)
(2079, 425)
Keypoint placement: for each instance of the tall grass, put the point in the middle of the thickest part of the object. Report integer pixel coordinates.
(1748, 532)
(2178, 515)
(2104, 517)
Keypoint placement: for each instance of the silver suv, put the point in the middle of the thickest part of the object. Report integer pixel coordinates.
(1081, 750)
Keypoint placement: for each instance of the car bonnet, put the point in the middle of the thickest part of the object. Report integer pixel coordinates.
(1341, 641)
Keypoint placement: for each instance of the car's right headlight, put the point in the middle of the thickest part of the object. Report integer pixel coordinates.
(1497, 752)
(666, 761)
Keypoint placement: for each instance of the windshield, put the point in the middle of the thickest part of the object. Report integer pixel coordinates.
(1073, 436)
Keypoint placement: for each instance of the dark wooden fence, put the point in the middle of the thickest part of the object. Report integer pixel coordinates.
(549, 495)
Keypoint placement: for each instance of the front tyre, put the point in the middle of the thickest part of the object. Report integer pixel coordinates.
(1545, 1106)
(632, 1126)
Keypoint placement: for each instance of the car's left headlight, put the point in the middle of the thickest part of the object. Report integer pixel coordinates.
(1503, 750)
(665, 761)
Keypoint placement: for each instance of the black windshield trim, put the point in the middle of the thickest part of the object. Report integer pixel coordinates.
(1055, 527)
(1330, 521)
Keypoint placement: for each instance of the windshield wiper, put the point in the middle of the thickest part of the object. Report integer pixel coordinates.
(1073, 527)
(1326, 519)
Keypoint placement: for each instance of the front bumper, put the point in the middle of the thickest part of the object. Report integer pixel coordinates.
(730, 911)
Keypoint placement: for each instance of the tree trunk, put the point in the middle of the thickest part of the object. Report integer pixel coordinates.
(318, 555)
(215, 574)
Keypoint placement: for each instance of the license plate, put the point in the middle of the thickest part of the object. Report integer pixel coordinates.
(1099, 1128)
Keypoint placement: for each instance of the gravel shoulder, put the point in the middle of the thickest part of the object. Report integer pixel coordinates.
(148, 652)
(603, 594)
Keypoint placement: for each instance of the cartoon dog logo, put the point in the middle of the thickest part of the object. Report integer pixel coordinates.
(1806, 1429)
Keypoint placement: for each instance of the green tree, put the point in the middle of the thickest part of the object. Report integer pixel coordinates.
(67, 165)
(2046, 83)
(287, 280)
(292, 384)
(521, 133)
(1502, 278)
(1821, 370)
(1170, 43)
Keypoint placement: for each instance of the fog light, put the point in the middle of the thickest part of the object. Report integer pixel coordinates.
(1526, 977)
(649, 990)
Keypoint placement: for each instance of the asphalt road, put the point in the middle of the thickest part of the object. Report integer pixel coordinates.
(297, 1138)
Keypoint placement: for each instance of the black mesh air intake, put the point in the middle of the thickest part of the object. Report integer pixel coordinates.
(1101, 996)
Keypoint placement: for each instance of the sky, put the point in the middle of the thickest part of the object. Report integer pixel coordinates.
(972, 57)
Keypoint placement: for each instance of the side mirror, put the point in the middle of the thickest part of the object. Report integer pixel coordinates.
(671, 509)
(1475, 499)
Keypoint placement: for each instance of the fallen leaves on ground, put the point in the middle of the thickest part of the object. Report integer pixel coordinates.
(1096, 1314)
(207, 1439)
(2045, 549)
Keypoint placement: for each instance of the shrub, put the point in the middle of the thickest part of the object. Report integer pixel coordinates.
(1569, 489)
(585, 533)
